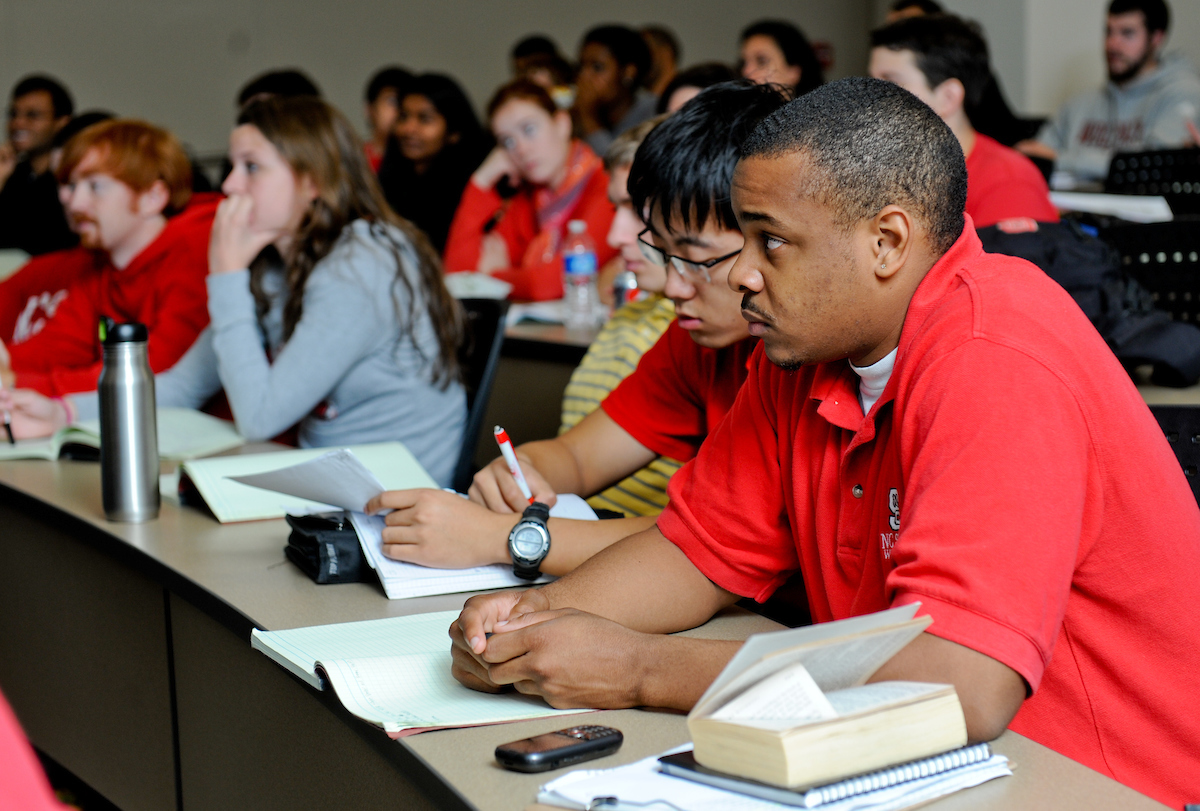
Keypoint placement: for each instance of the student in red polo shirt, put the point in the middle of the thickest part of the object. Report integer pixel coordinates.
(923, 422)
(944, 62)
(679, 392)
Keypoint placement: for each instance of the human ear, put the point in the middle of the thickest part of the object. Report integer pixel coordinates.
(153, 200)
(892, 231)
(562, 122)
(949, 97)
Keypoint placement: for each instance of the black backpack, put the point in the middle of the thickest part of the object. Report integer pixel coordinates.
(1122, 311)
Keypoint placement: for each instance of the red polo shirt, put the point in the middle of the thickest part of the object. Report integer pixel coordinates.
(679, 392)
(1011, 479)
(1003, 184)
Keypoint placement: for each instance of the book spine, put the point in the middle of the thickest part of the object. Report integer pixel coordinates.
(894, 775)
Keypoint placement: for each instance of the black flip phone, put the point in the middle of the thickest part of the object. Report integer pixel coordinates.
(541, 753)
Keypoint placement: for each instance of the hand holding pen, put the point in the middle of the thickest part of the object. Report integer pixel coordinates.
(508, 485)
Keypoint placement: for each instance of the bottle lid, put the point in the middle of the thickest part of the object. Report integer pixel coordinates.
(123, 333)
(577, 227)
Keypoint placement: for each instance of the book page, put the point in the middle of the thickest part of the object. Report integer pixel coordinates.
(417, 690)
(761, 655)
(872, 696)
(790, 695)
(390, 462)
(183, 433)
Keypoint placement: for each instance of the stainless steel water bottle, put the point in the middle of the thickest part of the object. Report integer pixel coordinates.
(128, 429)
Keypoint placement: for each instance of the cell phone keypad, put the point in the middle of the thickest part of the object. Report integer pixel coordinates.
(590, 732)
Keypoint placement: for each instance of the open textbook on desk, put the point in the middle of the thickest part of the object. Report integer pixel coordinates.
(394, 673)
(183, 433)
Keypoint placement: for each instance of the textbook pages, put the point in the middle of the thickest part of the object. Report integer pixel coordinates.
(394, 673)
(793, 707)
(183, 433)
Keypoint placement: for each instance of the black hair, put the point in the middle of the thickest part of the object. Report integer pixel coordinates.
(1158, 16)
(944, 47)
(288, 82)
(926, 6)
(665, 37)
(78, 124)
(625, 44)
(533, 45)
(796, 51)
(60, 99)
(870, 144)
(392, 76)
(706, 74)
(451, 102)
(684, 167)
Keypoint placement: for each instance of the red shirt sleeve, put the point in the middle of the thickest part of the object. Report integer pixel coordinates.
(735, 528)
(23, 784)
(47, 275)
(662, 404)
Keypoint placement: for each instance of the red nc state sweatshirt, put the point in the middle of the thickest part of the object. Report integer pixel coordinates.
(163, 288)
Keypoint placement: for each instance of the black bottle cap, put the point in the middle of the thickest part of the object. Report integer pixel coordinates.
(123, 333)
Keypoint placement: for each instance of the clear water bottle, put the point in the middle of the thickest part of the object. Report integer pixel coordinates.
(581, 299)
(128, 429)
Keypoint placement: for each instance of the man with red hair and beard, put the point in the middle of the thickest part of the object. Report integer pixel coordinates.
(143, 256)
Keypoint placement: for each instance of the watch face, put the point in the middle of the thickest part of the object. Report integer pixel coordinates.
(528, 541)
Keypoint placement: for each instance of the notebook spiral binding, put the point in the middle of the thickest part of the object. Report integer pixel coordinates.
(895, 775)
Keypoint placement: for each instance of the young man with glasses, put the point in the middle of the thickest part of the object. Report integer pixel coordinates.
(682, 388)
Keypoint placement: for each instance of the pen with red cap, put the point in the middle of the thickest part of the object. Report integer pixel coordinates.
(510, 458)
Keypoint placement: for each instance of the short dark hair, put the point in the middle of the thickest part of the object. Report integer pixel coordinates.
(796, 48)
(706, 74)
(926, 6)
(60, 99)
(287, 82)
(945, 47)
(661, 35)
(871, 144)
(534, 45)
(392, 76)
(685, 165)
(1158, 16)
(78, 124)
(625, 44)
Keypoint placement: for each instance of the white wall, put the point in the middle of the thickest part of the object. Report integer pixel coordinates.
(1045, 51)
(181, 62)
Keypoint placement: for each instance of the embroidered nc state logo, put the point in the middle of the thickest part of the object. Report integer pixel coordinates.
(888, 539)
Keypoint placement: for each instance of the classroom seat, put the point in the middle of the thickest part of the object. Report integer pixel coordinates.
(1171, 173)
(1181, 424)
(1165, 259)
(479, 358)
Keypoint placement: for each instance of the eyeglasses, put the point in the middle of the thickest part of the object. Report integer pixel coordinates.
(691, 271)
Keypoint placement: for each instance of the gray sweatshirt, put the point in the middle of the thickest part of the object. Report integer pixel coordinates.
(345, 374)
(1148, 113)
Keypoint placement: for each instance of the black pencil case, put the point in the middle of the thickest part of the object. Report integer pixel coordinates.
(326, 548)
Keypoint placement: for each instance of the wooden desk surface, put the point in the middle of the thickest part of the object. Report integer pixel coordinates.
(237, 575)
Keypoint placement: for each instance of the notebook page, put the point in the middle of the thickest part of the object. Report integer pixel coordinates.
(404, 580)
(390, 462)
(393, 636)
(417, 690)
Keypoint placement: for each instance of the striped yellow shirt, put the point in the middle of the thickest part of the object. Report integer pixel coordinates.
(611, 358)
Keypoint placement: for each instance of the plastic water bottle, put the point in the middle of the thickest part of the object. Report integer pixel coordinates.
(581, 299)
(128, 429)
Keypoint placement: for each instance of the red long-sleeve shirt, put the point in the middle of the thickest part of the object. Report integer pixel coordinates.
(534, 278)
(163, 288)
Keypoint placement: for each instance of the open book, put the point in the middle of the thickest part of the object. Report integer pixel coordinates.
(793, 707)
(183, 433)
(254, 487)
(394, 672)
